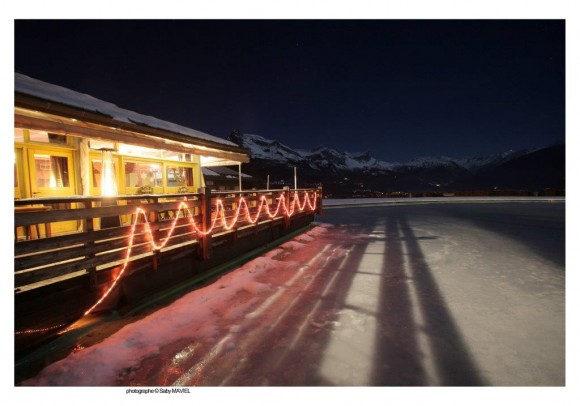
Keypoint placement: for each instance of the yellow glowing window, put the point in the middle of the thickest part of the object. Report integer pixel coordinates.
(179, 176)
(51, 171)
(98, 172)
(43, 136)
(143, 174)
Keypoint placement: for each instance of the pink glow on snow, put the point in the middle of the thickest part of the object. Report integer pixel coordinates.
(194, 316)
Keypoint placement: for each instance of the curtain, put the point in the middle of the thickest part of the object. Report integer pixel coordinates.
(85, 166)
(59, 171)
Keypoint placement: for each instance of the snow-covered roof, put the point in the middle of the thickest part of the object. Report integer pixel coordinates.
(209, 172)
(222, 171)
(34, 87)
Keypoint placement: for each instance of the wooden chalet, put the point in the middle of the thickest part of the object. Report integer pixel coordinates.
(71, 144)
(111, 207)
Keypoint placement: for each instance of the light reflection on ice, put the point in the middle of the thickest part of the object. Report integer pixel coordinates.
(348, 359)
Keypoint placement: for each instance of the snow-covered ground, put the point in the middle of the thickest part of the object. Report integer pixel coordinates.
(407, 295)
(211, 315)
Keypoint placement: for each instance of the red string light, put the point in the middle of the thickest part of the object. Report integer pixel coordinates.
(40, 330)
(219, 212)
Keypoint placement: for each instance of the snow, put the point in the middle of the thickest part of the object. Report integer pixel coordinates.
(363, 160)
(292, 245)
(263, 148)
(195, 316)
(321, 229)
(33, 87)
(430, 161)
(463, 294)
(209, 172)
(322, 157)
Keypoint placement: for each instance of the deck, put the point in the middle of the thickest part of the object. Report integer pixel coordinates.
(128, 247)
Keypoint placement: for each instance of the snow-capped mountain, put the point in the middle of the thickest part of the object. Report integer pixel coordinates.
(364, 159)
(430, 161)
(322, 157)
(478, 163)
(263, 148)
(356, 173)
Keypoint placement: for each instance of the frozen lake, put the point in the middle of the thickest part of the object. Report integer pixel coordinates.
(417, 295)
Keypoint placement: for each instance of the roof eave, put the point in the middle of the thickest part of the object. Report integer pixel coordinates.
(47, 106)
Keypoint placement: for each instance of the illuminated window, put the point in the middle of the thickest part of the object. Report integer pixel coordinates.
(179, 176)
(17, 166)
(51, 171)
(43, 136)
(143, 174)
(155, 153)
(137, 151)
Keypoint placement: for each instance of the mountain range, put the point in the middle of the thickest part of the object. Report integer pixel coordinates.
(346, 174)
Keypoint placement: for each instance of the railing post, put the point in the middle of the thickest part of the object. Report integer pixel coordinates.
(255, 205)
(287, 201)
(319, 208)
(156, 234)
(88, 227)
(205, 207)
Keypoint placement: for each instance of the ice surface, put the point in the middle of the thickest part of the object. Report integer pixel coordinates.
(377, 201)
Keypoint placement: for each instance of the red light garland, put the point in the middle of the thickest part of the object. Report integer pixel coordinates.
(40, 330)
(219, 212)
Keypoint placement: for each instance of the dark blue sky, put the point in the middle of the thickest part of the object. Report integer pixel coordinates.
(397, 88)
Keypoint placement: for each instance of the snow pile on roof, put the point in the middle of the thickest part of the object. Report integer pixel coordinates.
(195, 316)
(33, 87)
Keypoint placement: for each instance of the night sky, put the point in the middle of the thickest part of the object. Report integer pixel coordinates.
(398, 88)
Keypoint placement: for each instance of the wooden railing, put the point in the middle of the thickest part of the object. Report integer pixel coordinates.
(116, 231)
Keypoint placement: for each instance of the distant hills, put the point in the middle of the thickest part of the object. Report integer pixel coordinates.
(346, 174)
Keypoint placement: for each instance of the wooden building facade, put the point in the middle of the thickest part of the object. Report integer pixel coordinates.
(111, 207)
(71, 144)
